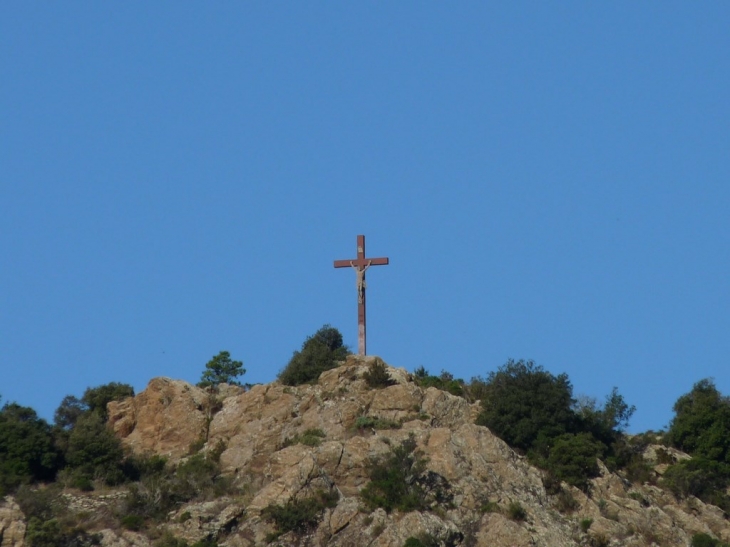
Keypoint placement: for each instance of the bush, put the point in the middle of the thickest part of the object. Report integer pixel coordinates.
(94, 452)
(53, 533)
(48, 523)
(423, 540)
(535, 412)
(573, 459)
(699, 477)
(524, 402)
(629, 456)
(319, 352)
(162, 489)
(96, 398)
(490, 507)
(516, 512)
(311, 437)
(221, 370)
(132, 522)
(444, 382)
(377, 375)
(393, 483)
(706, 540)
(371, 422)
(70, 409)
(701, 425)
(299, 516)
(585, 524)
(27, 451)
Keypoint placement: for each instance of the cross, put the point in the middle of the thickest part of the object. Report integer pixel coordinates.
(360, 264)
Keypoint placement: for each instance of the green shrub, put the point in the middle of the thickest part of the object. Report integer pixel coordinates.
(701, 425)
(423, 540)
(535, 412)
(516, 512)
(321, 351)
(371, 422)
(585, 524)
(160, 490)
(392, 485)
(490, 507)
(524, 402)
(573, 459)
(699, 477)
(96, 398)
(68, 412)
(299, 516)
(132, 522)
(49, 525)
(444, 382)
(706, 540)
(27, 451)
(81, 481)
(310, 437)
(377, 375)
(54, 533)
(94, 452)
(476, 389)
(221, 369)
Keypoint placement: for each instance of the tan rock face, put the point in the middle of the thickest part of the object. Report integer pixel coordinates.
(12, 524)
(480, 473)
(166, 418)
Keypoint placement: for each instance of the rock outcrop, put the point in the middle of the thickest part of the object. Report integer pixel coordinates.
(12, 524)
(482, 474)
(480, 492)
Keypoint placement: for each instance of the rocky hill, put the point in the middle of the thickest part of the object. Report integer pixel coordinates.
(287, 447)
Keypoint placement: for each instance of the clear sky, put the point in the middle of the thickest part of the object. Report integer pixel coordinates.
(550, 180)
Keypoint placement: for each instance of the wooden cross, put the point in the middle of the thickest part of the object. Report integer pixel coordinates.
(360, 264)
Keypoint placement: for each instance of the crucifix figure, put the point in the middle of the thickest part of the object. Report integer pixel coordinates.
(360, 265)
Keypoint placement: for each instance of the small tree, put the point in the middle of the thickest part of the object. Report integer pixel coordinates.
(377, 375)
(524, 404)
(701, 424)
(320, 352)
(393, 483)
(222, 370)
(96, 398)
(573, 458)
(27, 453)
(94, 452)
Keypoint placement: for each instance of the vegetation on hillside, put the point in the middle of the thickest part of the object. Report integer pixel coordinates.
(535, 412)
(701, 427)
(221, 369)
(530, 408)
(394, 480)
(321, 351)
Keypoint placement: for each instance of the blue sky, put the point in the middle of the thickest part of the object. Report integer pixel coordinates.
(549, 180)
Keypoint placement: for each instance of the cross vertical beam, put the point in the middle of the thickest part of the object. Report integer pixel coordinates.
(360, 265)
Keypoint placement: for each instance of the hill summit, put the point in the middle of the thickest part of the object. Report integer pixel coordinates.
(343, 463)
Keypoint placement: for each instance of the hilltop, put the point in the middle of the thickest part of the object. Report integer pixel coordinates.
(341, 463)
